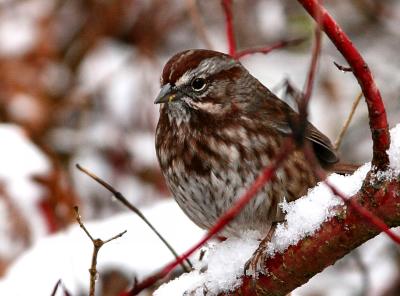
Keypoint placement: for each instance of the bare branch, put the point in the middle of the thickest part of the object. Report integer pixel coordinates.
(57, 286)
(230, 34)
(78, 219)
(97, 244)
(269, 48)
(121, 198)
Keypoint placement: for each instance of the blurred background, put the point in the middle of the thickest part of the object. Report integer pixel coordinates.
(77, 83)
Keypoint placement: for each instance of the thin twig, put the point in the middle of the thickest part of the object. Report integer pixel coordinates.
(313, 65)
(198, 23)
(347, 122)
(230, 34)
(299, 128)
(119, 196)
(57, 287)
(97, 244)
(269, 48)
(266, 175)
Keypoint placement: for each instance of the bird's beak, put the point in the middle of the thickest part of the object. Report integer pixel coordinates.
(168, 93)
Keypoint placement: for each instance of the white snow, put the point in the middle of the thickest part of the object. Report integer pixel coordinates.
(223, 262)
(17, 35)
(394, 158)
(142, 147)
(20, 161)
(394, 150)
(101, 64)
(272, 18)
(67, 255)
(19, 26)
(25, 108)
(305, 215)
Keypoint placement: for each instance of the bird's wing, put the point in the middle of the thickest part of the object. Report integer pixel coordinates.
(285, 116)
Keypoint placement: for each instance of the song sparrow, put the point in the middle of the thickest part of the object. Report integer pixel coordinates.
(218, 128)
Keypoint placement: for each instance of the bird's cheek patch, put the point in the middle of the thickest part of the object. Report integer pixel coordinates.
(208, 107)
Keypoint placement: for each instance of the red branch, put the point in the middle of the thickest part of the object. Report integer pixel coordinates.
(377, 114)
(313, 67)
(370, 217)
(299, 128)
(227, 6)
(262, 179)
(268, 49)
(335, 238)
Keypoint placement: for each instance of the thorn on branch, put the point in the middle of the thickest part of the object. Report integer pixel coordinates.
(121, 198)
(342, 68)
(97, 244)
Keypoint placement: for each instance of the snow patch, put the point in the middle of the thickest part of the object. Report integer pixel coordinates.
(394, 150)
(67, 254)
(20, 160)
(305, 215)
(223, 266)
(394, 158)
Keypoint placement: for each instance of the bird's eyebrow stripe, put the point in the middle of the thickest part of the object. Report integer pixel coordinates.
(210, 67)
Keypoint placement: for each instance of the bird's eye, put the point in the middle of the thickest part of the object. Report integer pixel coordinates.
(198, 84)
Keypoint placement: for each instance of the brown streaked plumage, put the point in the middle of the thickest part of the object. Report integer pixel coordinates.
(218, 128)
